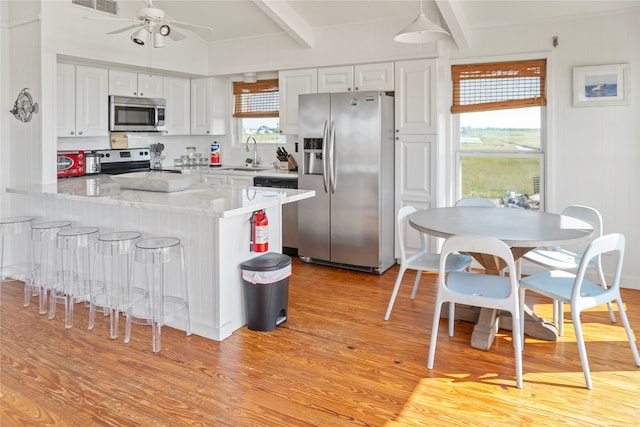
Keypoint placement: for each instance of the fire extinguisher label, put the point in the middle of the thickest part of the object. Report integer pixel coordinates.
(262, 235)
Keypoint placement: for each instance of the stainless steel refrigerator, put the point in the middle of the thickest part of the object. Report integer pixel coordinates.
(347, 158)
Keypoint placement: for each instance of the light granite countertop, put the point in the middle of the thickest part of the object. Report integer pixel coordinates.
(212, 200)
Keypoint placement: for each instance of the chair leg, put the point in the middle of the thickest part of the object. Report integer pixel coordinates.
(627, 328)
(452, 317)
(517, 343)
(434, 333)
(394, 294)
(603, 283)
(416, 283)
(577, 326)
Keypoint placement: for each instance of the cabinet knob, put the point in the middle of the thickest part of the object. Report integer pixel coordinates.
(348, 89)
(79, 132)
(141, 94)
(356, 87)
(208, 131)
(397, 130)
(135, 93)
(397, 138)
(72, 133)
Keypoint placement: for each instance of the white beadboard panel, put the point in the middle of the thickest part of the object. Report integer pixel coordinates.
(214, 248)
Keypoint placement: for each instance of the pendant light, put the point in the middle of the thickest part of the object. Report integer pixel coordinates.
(421, 30)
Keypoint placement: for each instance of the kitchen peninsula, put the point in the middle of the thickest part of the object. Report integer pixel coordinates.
(211, 220)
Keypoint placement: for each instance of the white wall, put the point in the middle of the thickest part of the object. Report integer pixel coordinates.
(593, 152)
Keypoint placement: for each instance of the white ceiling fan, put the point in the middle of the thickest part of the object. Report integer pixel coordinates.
(152, 23)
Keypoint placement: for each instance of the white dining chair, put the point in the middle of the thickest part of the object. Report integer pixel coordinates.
(476, 202)
(558, 258)
(478, 290)
(423, 260)
(582, 294)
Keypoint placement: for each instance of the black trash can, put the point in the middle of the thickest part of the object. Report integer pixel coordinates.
(266, 290)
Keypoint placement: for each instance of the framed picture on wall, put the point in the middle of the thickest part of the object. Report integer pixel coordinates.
(600, 85)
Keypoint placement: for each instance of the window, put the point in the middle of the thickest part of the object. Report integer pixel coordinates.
(256, 107)
(498, 110)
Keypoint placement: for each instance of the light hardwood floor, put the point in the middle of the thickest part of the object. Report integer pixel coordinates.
(335, 362)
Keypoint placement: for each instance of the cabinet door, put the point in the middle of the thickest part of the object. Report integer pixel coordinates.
(214, 179)
(150, 86)
(208, 106)
(374, 76)
(245, 181)
(415, 174)
(293, 83)
(415, 97)
(178, 94)
(92, 101)
(335, 79)
(66, 99)
(123, 83)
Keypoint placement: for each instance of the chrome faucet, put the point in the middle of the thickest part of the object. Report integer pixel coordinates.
(255, 150)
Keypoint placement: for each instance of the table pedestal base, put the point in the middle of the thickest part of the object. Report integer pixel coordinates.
(488, 321)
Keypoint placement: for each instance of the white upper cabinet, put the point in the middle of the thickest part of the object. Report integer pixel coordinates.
(293, 83)
(82, 101)
(126, 83)
(177, 92)
(415, 96)
(209, 106)
(356, 78)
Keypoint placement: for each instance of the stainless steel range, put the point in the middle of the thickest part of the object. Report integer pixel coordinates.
(114, 162)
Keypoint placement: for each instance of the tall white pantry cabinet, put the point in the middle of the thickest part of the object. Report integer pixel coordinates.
(416, 136)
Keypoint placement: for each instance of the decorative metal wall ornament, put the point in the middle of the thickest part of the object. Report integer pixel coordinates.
(24, 107)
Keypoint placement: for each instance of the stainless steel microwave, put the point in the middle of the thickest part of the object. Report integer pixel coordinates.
(130, 114)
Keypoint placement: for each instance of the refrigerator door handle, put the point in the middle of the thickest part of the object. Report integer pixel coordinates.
(325, 140)
(332, 159)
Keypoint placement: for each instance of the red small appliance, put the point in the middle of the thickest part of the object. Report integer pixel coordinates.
(71, 163)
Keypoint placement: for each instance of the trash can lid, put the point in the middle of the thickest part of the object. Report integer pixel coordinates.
(267, 262)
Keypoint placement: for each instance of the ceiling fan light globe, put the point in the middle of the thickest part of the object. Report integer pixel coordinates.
(139, 37)
(165, 30)
(158, 40)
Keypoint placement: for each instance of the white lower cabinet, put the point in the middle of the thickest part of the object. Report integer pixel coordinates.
(240, 179)
(415, 176)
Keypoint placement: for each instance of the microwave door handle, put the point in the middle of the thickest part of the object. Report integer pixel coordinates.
(332, 157)
(156, 118)
(325, 141)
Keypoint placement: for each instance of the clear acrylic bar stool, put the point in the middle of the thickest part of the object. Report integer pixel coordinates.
(76, 247)
(44, 261)
(15, 246)
(159, 268)
(110, 290)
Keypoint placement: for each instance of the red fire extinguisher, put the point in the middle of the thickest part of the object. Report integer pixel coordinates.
(259, 232)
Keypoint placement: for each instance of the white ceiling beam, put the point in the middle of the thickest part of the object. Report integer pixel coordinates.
(456, 21)
(292, 23)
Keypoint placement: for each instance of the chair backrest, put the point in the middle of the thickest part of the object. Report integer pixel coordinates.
(403, 214)
(481, 245)
(476, 201)
(610, 243)
(586, 213)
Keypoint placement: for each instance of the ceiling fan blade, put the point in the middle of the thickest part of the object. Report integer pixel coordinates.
(122, 30)
(176, 36)
(189, 26)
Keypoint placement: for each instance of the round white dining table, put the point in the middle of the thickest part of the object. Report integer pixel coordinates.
(522, 230)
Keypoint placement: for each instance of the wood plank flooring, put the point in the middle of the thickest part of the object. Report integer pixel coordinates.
(334, 362)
